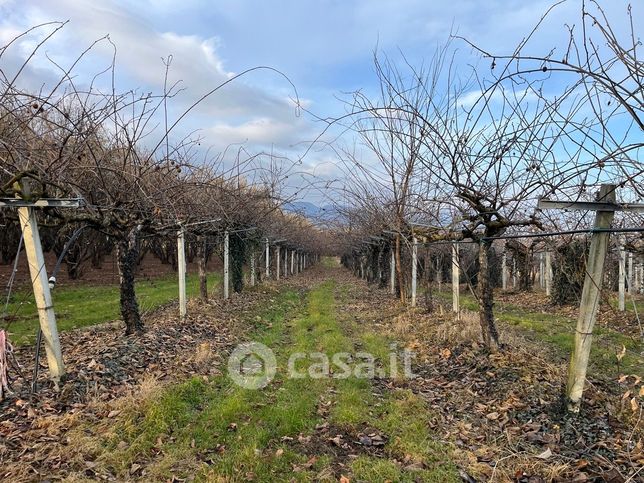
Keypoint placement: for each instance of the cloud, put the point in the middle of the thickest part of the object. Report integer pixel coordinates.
(324, 47)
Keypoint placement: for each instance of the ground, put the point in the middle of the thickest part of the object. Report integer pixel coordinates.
(161, 407)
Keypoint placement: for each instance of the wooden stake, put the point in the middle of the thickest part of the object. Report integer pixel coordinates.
(181, 265)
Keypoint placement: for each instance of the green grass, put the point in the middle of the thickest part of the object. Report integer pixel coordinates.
(200, 415)
(558, 332)
(81, 306)
(218, 431)
(399, 414)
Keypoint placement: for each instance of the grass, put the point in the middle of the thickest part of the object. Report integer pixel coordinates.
(238, 432)
(217, 431)
(82, 306)
(398, 413)
(558, 332)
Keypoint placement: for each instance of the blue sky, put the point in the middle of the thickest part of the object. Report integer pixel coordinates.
(324, 47)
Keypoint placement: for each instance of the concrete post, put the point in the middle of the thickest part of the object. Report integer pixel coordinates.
(548, 273)
(42, 294)
(226, 265)
(631, 278)
(268, 260)
(392, 273)
(277, 261)
(504, 271)
(414, 270)
(622, 277)
(252, 268)
(181, 266)
(589, 302)
(456, 276)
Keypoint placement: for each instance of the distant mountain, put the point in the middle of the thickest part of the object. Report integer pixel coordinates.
(312, 211)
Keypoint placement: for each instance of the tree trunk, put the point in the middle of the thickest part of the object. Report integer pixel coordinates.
(486, 299)
(127, 256)
(201, 266)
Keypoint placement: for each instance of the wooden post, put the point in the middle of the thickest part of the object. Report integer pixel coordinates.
(226, 264)
(42, 294)
(268, 260)
(548, 273)
(277, 261)
(621, 304)
(392, 273)
(456, 276)
(504, 271)
(181, 266)
(589, 302)
(414, 270)
(252, 268)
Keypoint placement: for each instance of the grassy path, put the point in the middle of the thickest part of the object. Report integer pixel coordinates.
(301, 429)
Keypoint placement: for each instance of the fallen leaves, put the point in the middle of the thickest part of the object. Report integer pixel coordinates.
(103, 366)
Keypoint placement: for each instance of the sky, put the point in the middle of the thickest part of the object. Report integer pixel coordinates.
(323, 49)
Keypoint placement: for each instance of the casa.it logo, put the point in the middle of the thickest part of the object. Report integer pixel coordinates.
(252, 365)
